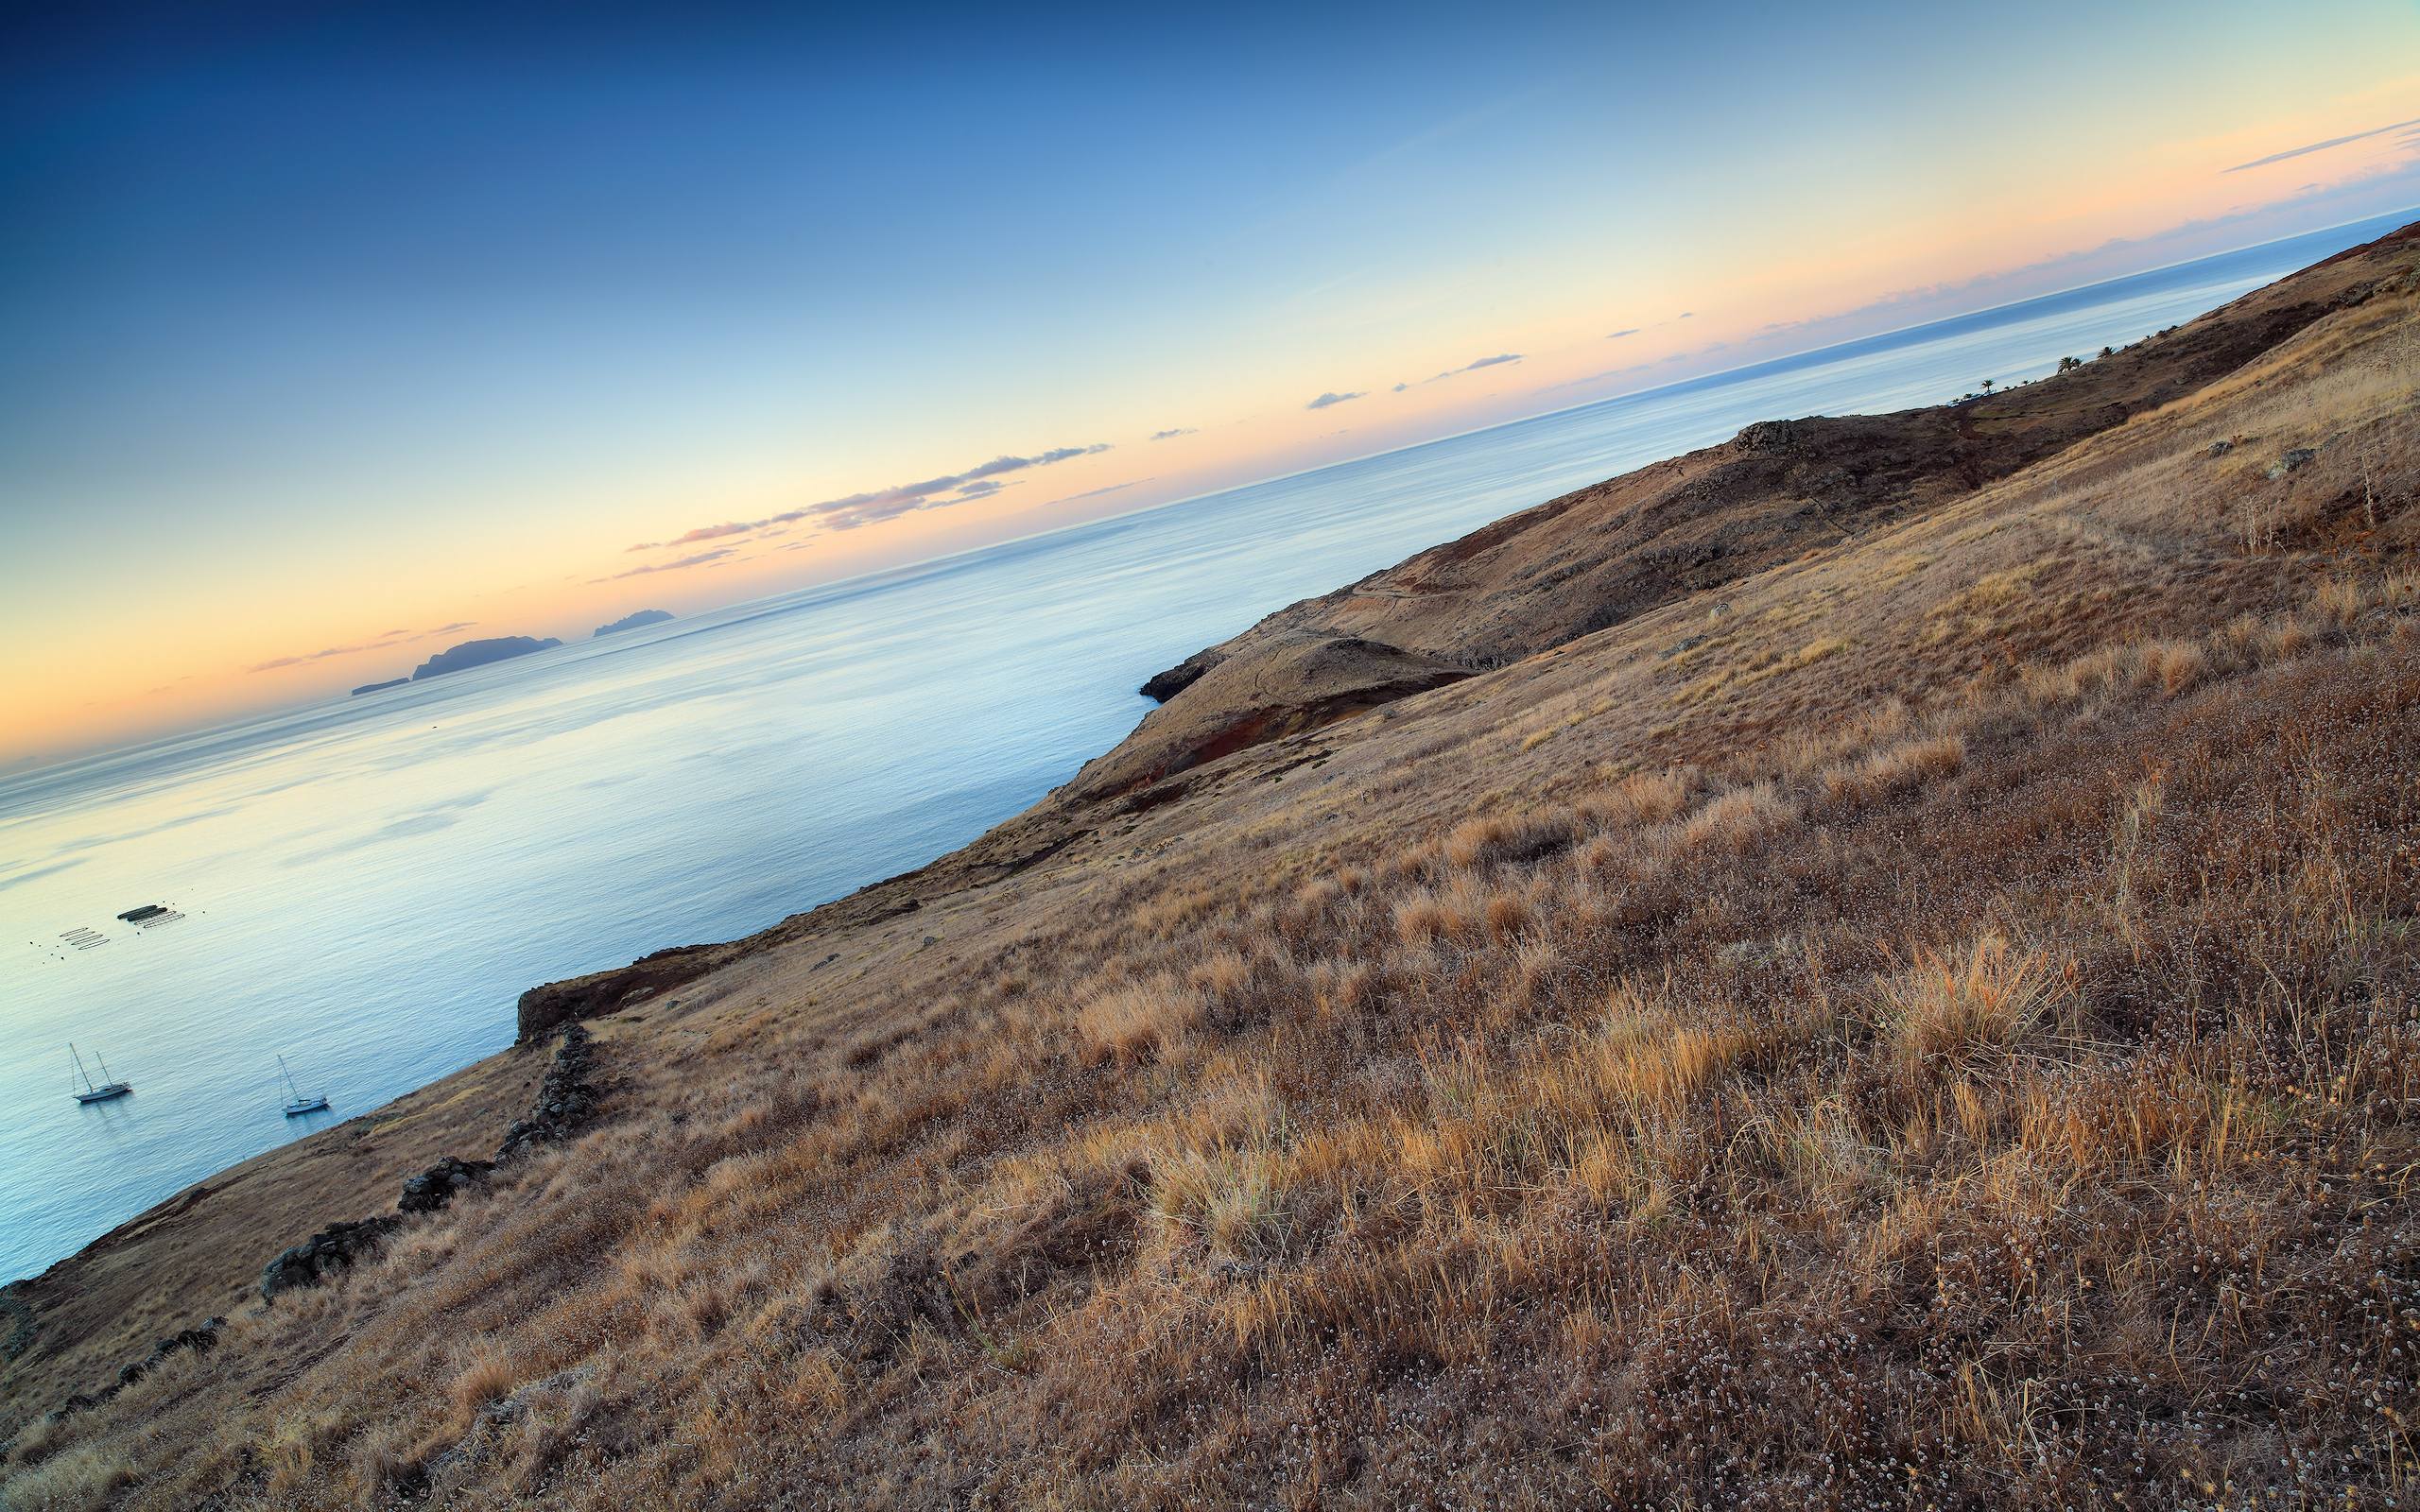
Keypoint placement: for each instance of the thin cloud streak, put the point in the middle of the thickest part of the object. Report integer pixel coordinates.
(1333, 398)
(380, 644)
(693, 560)
(1095, 493)
(1496, 361)
(689, 537)
(2322, 147)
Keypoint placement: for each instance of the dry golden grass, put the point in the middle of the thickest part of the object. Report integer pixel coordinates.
(1966, 1070)
(1138, 1017)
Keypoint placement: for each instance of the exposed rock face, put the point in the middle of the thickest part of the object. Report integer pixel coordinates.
(380, 687)
(330, 1250)
(584, 997)
(479, 653)
(435, 1187)
(565, 1099)
(631, 622)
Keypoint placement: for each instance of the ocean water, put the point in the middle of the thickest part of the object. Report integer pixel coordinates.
(368, 884)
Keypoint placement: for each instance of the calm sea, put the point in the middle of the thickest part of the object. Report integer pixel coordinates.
(368, 884)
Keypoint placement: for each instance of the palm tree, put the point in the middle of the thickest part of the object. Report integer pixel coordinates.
(1987, 385)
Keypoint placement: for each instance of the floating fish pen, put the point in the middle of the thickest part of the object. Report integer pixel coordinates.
(85, 940)
(150, 916)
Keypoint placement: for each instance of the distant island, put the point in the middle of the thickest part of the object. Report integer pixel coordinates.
(479, 653)
(631, 622)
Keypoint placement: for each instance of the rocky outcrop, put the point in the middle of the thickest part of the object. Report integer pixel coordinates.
(1768, 436)
(631, 622)
(1166, 685)
(1298, 683)
(435, 1187)
(565, 1098)
(479, 653)
(599, 992)
(331, 1249)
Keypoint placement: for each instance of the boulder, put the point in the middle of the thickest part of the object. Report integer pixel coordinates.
(330, 1250)
(435, 1187)
(2293, 461)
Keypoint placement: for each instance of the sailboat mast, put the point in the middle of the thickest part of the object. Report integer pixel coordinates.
(80, 1067)
(105, 1067)
(290, 1078)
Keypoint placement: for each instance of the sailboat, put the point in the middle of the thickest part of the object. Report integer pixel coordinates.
(299, 1101)
(93, 1091)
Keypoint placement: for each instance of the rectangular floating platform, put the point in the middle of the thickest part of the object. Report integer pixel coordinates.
(85, 940)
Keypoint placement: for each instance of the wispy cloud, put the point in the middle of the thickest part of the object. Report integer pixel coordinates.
(690, 538)
(1496, 361)
(377, 644)
(1626, 331)
(2309, 147)
(1095, 493)
(1170, 435)
(857, 509)
(696, 558)
(1333, 398)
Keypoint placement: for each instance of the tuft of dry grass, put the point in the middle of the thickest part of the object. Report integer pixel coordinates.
(1963, 1008)
(1138, 1020)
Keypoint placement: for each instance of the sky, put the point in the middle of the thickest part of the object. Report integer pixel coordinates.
(333, 335)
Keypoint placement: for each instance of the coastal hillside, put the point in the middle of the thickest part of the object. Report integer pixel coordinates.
(1872, 965)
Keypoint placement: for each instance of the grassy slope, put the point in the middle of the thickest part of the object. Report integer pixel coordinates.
(1930, 1019)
